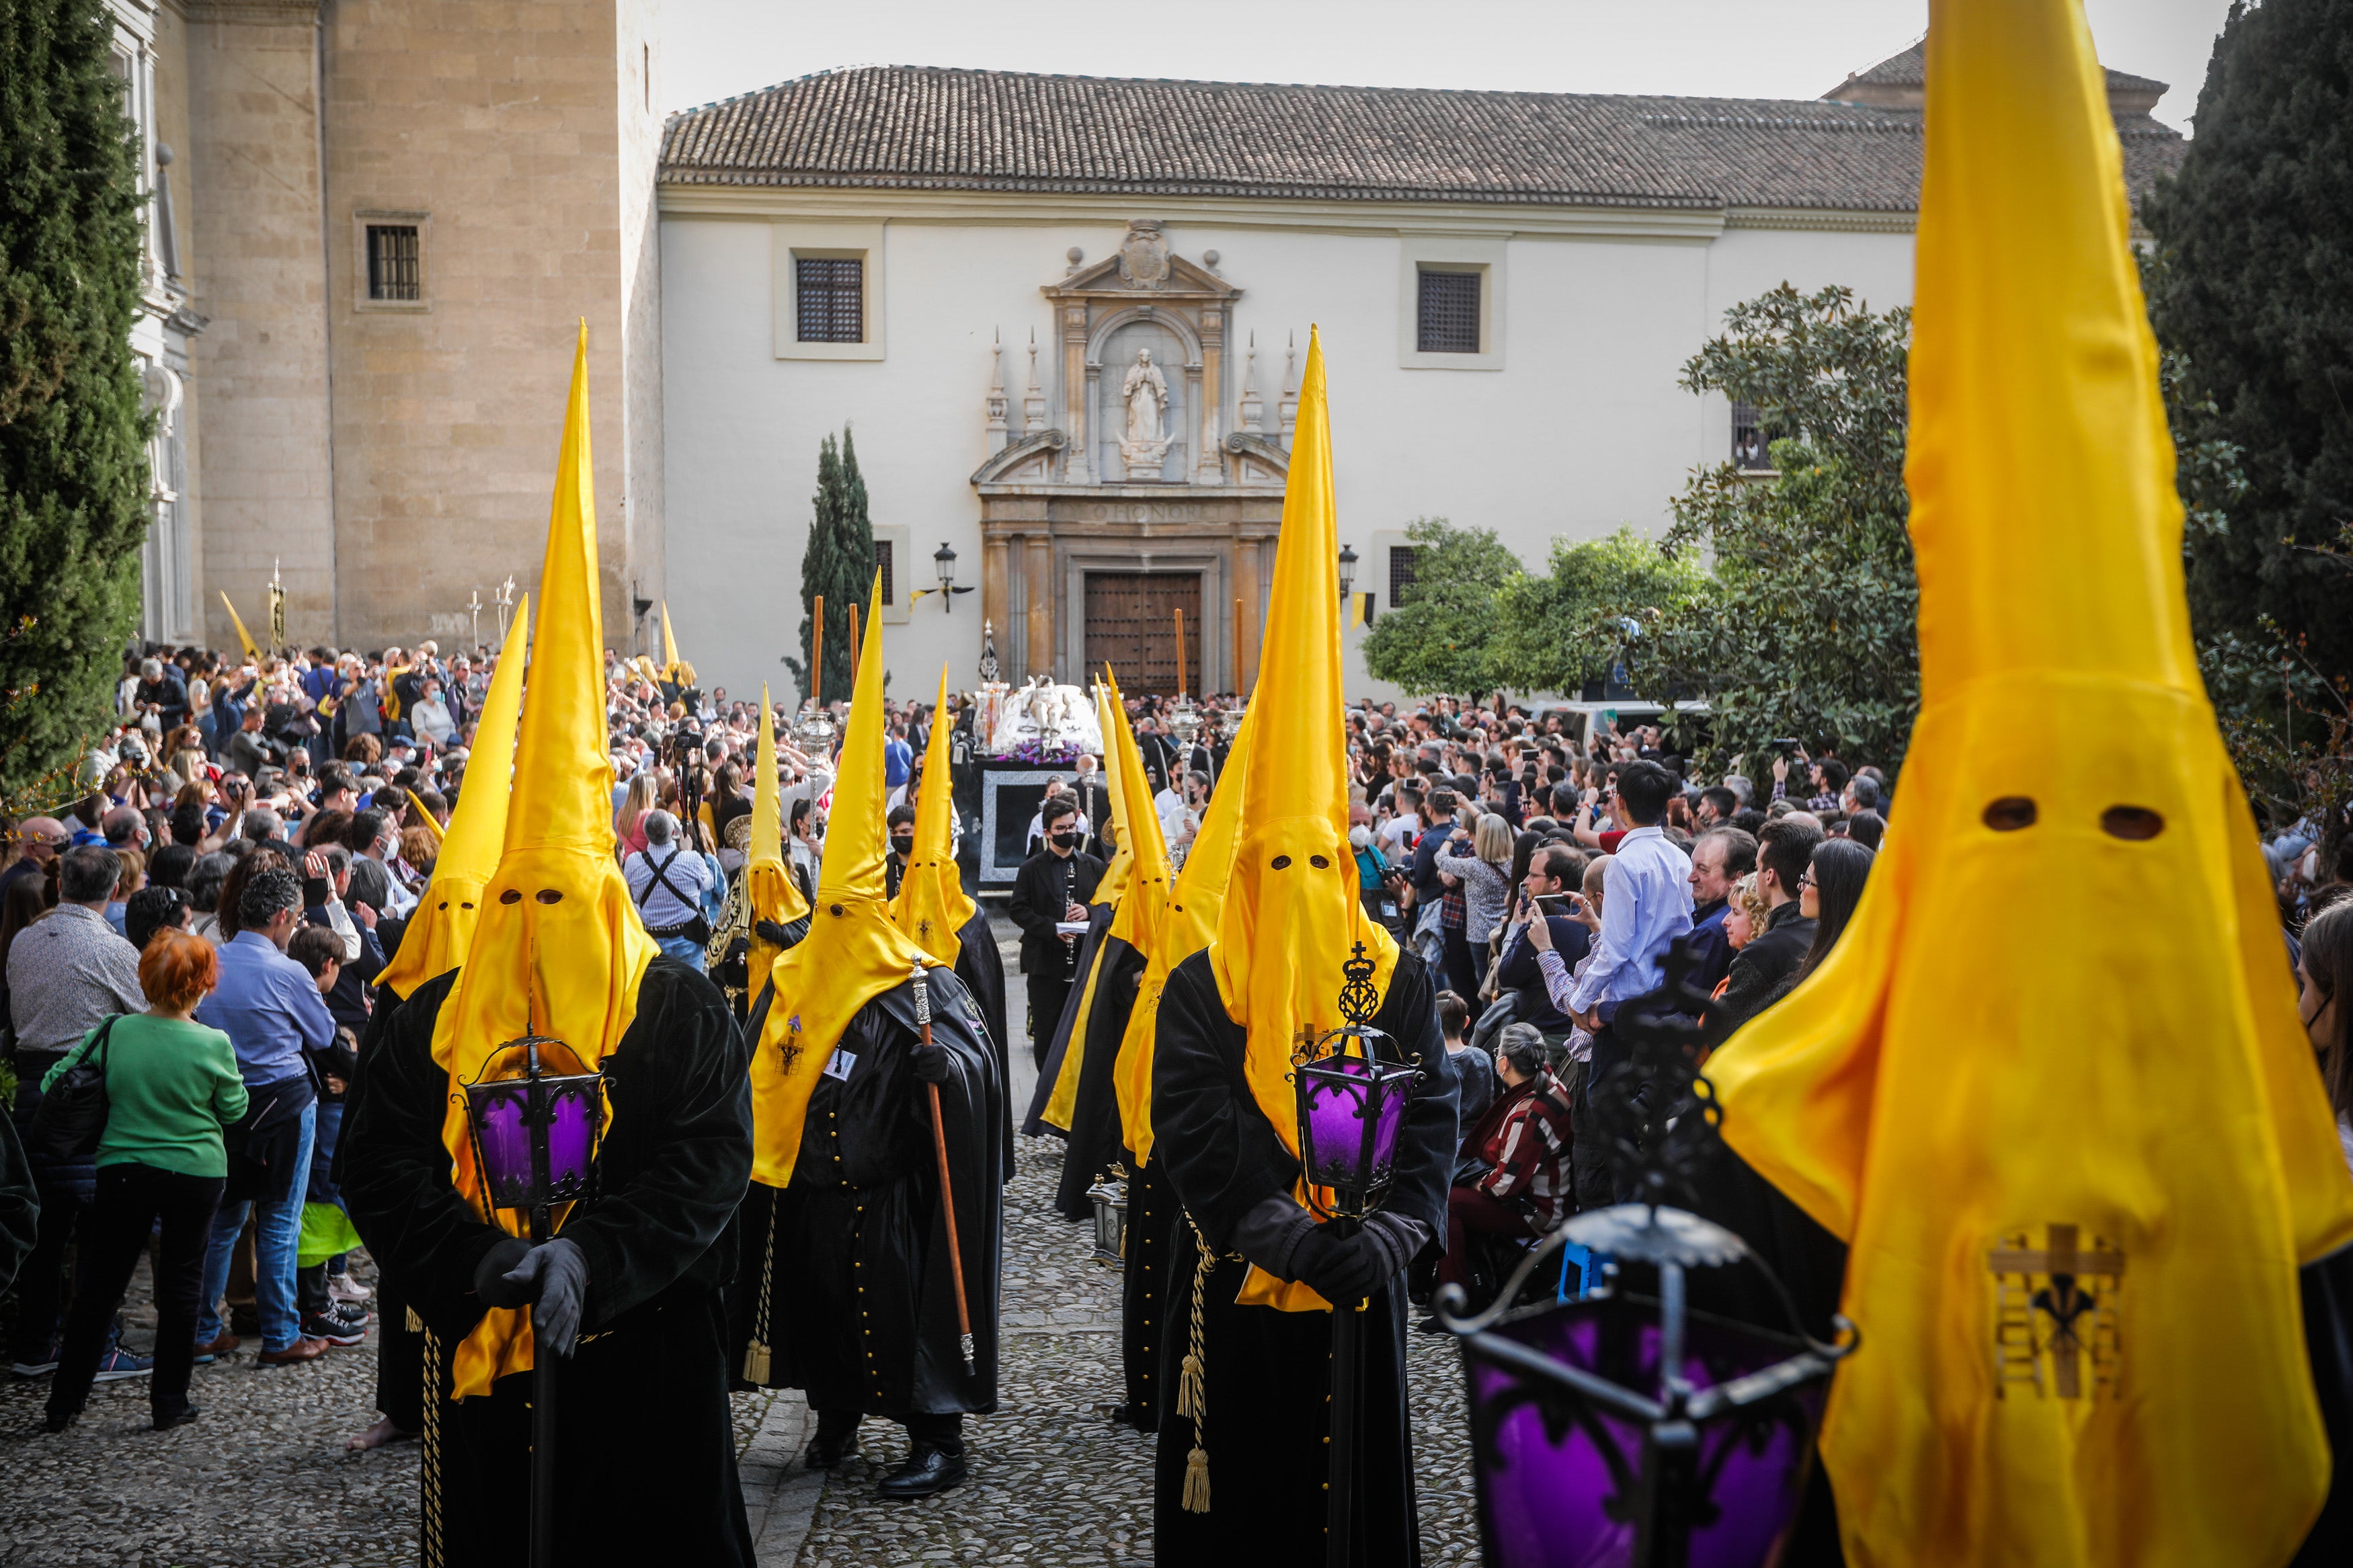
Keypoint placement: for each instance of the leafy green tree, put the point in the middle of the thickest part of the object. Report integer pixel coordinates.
(73, 461)
(1571, 625)
(2255, 290)
(1439, 638)
(1808, 627)
(838, 564)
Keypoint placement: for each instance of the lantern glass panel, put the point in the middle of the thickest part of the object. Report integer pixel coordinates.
(1340, 1096)
(1560, 1482)
(502, 1114)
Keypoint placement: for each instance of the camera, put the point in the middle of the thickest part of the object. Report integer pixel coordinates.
(1787, 748)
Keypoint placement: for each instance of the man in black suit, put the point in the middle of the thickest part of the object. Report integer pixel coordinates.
(1554, 872)
(1053, 886)
(1785, 846)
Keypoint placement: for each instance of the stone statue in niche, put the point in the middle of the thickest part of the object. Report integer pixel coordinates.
(1144, 391)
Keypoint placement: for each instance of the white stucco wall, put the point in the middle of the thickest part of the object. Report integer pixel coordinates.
(1582, 427)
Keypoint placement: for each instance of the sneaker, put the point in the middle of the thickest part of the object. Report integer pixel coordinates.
(336, 1331)
(46, 1363)
(210, 1350)
(343, 1288)
(119, 1364)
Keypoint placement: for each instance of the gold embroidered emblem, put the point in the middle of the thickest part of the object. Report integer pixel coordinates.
(2056, 1305)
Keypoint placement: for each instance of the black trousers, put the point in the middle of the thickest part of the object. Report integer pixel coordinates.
(131, 1199)
(1588, 1164)
(1049, 994)
(943, 1431)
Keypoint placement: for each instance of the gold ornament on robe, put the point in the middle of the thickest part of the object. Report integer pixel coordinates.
(2010, 1057)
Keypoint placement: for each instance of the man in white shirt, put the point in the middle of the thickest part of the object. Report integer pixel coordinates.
(1648, 905)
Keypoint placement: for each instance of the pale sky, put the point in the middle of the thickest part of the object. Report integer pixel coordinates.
(1731, 49)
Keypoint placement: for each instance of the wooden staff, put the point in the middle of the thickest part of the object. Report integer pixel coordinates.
(1181, 687)
(816, 655)
(853, 645)
(940, 1146)
(1239, 687)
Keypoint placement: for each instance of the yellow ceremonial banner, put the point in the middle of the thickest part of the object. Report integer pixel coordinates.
(931, 906)
(2078, 1153)
(1194, 904)
(770, 892)
(441, 928)
(558, 949)
(852, 953)
(1292, 916)
(244, 637)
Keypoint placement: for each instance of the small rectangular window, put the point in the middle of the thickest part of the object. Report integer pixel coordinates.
(1447, 321)
(1402, 562)
(1751, 442)
(831, 298)
(886, 562)
(394, 268)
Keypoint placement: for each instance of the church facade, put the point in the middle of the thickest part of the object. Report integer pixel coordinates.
(1065, 319)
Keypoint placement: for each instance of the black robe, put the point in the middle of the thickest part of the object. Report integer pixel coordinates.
(1267, 1373)
(647, 1464)
(861, 1296)
(1097, 1142)
(981, 967)
(1154, 1218)
(1049, 1072)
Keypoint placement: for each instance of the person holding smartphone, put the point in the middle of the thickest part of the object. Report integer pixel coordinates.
(1550, 891)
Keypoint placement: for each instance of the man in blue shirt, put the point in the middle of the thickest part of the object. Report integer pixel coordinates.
(270, 1009)
(1649, 904)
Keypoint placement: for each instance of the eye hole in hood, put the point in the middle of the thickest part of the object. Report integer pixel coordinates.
(2010, 813)
(2133, 821)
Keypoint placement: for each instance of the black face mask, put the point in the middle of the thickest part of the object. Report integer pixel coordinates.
(905, 843)
(1066, 840)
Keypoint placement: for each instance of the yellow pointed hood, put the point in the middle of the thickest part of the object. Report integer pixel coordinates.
(932, 905)
(558, 948)
(1195, 905)
(674, 669)
(1143, 902)
(769, 890)
(424, 817)
(244, 637)
(438, 932)
(1140, 902)
(1292, 916)
(853, 953)
(2073, 1089)
(1109, 717)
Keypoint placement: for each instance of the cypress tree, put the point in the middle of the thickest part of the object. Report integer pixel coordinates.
(838, 562)
(2253, 290)
(73, 460)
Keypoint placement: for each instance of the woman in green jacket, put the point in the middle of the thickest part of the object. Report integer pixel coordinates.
(172, 1085)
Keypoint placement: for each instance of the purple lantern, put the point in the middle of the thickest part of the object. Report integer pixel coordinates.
(534, 1133)
(1351, 1087)
(1623, 1431)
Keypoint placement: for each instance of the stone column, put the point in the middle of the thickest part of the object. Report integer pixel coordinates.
(1211, 398)
(996, 590)
(1246, 589)
(1038, 572)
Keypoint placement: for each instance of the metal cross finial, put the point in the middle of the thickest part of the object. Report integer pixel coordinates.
(1358, 1000)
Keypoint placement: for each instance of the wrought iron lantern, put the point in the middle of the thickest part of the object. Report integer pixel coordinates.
(1111, 1218)
(1624, 1430)
(1351, 1093)
(534, 1133)
(1621, 1429)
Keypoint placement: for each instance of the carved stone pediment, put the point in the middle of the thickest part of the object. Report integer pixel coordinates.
(1148, 269)
(1031, 460)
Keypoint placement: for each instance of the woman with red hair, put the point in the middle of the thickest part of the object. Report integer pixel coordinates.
(172, 1085)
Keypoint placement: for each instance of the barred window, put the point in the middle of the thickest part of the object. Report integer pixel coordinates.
(393, 268)
(1404, 559)
(831, 299)
(886, 562)
(1447, 321)
(1751, 442)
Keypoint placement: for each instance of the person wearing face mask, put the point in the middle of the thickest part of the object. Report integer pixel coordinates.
(1053, 888)
(903, 846)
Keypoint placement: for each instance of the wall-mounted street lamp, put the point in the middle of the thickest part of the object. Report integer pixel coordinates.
(1347, 569)
(944, 560)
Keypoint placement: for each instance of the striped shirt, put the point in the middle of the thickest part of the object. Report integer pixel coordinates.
(1529, 1154)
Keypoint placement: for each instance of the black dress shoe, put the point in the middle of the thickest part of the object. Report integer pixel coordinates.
(165, 1422)
(827, 1453)
(927, 1471)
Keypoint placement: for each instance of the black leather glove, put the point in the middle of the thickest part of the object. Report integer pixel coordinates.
(489, 1274)
(775, 935)
(553, 1280)
(932, 1064)
(1342, 1269)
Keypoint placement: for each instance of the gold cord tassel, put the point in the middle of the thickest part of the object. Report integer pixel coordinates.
(756, 1354)
(1193, 1383)
(428, 1534)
